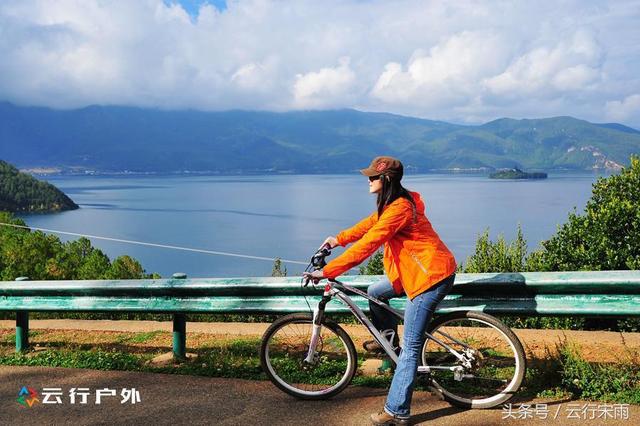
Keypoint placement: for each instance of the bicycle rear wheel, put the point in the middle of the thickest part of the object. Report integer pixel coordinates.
(284, 348)
(493, 364)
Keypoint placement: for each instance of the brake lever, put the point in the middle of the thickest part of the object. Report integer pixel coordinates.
(317, 260)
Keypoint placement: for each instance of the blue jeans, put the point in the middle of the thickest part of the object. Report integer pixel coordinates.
(418, 313)
(381, 319)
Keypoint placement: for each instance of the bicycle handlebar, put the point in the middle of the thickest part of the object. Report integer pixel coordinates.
(318, 259)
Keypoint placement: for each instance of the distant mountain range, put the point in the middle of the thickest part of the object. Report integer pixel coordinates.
(105, 139)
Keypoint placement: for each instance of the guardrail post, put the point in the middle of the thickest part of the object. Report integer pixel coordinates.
(22, 326)
(179, 329)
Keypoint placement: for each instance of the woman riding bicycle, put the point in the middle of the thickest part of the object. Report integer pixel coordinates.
(416, 262)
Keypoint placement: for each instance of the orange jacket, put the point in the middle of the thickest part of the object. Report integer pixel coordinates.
(415, 258)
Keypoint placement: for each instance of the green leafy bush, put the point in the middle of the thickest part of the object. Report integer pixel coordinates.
(97, 359)
(498, 256)
(279, 270)
(599, 381)
(607, 235)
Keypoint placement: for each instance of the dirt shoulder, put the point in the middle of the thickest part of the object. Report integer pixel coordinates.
(602, 346)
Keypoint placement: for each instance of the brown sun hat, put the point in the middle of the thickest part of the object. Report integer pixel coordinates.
(389, 166)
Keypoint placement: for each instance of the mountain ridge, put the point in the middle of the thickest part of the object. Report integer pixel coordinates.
(106, 139)
(21, 192)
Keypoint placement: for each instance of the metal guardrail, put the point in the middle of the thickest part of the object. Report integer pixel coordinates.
(581, 293)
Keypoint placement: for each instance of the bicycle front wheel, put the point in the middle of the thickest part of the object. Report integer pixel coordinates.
(491, 364)
(284, 348)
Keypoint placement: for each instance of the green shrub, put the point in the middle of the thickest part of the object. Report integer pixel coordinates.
(555, 323)
(599, 381)
(97, 359)
(498, 256)
(607, 235)
(279, 270)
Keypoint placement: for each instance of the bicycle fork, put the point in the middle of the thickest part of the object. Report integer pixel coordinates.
(318, 315)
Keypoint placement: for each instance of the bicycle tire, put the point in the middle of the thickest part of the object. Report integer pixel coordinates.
(295, 389)
(514, 343)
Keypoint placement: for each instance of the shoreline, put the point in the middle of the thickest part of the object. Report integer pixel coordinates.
(209, 173)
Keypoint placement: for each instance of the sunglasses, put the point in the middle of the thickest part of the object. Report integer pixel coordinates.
(374, 178)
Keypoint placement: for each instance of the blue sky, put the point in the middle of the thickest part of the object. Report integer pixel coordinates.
(466, 61)
(193, 6)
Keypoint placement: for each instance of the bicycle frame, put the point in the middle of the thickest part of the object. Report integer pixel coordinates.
(337, 289)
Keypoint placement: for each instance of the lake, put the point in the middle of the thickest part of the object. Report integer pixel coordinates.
(289, 216)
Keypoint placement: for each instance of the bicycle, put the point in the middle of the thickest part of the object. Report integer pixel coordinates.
(470, 359)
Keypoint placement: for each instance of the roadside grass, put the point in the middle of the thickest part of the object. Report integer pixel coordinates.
(618, 382)
(565, 374)
(141, 337)
(11, 336)
(562, 373)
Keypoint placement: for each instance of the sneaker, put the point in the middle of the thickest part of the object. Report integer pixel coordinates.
(384, 418)
(373, 347)
(387, 367)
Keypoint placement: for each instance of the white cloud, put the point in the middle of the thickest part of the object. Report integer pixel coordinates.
(578, 77)
(626, 109)
(448, 73)
(459, 61)
(256, 77)
(325, 87)
(572, 64)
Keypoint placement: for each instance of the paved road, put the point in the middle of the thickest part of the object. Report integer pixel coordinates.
(172, 399)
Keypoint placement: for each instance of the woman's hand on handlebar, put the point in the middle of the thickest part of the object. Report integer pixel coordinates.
(331, 241)
(314, 276)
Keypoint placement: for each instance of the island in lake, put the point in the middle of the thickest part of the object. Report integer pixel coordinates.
(20, 192)
(516, 173)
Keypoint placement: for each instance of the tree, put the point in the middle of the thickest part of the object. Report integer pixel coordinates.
(607, 235)
(499, 256)
(125, 267)
(66, 262)
(95, 266)
(374, 266)
(41, 256)
(278, 270)
(25, 254)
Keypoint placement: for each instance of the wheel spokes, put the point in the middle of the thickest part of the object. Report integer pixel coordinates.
(288, 348)
(489, 359)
